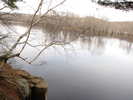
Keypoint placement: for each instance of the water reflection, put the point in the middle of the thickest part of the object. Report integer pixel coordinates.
(98, 41)
(93, 42)
(87, 77)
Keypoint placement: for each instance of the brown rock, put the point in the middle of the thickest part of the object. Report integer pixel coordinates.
(40, 91)
(23, 74)
(43, 84)
(8, 91)
(36, 80)
(37, 84)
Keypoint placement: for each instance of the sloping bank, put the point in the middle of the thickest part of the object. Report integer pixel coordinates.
(20, 85)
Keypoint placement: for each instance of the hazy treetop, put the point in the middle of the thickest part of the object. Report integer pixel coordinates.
(125, 5)
(11, 3)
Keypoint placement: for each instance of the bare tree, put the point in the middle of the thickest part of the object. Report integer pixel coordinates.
(8, 53)
(42, 18)
(26, 36)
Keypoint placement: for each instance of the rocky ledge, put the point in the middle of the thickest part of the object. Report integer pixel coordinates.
(20, 85)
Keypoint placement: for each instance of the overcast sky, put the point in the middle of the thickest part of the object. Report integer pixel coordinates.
(80, 7)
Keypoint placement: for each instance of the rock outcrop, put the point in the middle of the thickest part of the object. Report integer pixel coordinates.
(20, 85)
(38, 85)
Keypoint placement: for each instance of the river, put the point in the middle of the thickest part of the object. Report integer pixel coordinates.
(89, 68)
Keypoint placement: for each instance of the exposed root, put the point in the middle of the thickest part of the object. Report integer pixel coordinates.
(6, 97)
(16, 86)
(1, 66)
(6, 79)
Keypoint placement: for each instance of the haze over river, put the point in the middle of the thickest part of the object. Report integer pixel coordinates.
(89, 68)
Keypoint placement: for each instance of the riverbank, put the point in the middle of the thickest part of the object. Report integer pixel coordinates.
(73, 22)
(20, 85)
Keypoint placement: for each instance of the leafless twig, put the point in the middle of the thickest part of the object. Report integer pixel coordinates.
(1, 66)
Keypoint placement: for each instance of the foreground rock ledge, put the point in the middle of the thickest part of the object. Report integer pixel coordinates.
(38, 85)
(32, 87)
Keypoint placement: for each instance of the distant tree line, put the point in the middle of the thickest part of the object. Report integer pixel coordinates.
(69, 20)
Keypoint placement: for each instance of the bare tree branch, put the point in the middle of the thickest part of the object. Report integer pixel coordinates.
(3, 37)
(56, 43)
(1, 65)
(3, 7)
(50, 44)
(40, 19)
(9, 55)
(49, 4)
(31, 25)
(30, 62)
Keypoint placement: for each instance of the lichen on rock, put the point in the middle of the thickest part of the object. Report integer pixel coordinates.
(24, 86)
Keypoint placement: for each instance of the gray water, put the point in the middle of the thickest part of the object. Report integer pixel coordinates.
(93, 68)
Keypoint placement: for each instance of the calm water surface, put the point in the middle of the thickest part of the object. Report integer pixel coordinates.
(95, 68)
